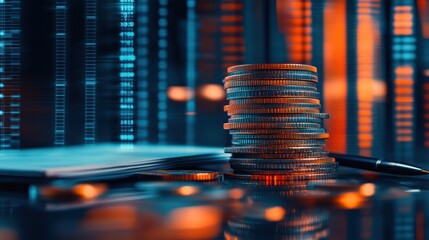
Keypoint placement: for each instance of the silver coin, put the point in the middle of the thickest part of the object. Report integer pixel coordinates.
(282, 161)
(238, 111)
(285, 115)
(271, 88)
(280, 166)
(279, 100)
(284, 105)
(273, 150)
(292, 142)
(258, 94)
(303, 171)
(260, 127)
(268, 82)
(277, 131)
(280, 155)
(239, 119)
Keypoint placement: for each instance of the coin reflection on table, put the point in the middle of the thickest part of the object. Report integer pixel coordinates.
(269, 213)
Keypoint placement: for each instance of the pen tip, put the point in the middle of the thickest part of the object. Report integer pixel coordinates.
(424, 171)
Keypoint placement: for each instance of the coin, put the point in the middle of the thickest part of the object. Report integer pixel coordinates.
(273, 75)
(290, 136)
(279, 155)
(268, 82)
(272, 106)
(180, 175)
(249, 67)
(236, 111)
(299, 167)
(273, 150)
(291, 142)
(271, 88)
(277, 131)
(258, 126)
(279, 100)
(302, 171)
(282, 161)
(303, 115)
(274, 93)
(240, 119)
(280, 177)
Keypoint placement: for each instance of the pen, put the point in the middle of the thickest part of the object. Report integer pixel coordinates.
(378, 164)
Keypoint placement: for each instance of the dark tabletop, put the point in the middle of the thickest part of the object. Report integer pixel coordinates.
(356, 205)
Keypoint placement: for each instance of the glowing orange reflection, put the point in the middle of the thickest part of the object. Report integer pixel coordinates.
(197, 222)
(8, 234)
(212, 92)
(367, 189)
(274, 214)
(236, 193)
(179, 93)
(89, 191)
(187, 190)
(350, 200)
(119, 217)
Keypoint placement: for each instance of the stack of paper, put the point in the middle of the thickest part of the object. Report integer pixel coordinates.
(101, 161)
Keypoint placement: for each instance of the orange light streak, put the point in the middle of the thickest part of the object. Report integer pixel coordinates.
(294, 18)
(335, 73)
(422, 7)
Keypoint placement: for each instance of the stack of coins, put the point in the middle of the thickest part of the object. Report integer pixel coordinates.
(276, 123)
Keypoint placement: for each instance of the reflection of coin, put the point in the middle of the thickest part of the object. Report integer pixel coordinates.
(280, 177)
(272, 66)
(256, 126)
(271, 88)
(272, 93)
(180, 175)
(269, 82)
(276, 149)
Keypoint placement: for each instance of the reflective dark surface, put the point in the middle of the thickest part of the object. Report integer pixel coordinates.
(356, 205)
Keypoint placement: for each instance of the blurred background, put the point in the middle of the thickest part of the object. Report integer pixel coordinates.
(151, 71)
